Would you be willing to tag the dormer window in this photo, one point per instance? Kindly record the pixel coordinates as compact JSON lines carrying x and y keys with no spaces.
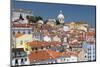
{"x":42,"y":47}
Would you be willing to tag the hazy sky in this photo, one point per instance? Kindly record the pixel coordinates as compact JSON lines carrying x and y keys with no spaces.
{"x":71,"y":12}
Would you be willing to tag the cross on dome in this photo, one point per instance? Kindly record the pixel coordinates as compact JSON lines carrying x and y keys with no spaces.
{"x":60,"y":11}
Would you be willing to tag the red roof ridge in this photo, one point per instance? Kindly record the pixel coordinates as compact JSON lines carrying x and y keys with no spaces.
{"x":50,"y":54}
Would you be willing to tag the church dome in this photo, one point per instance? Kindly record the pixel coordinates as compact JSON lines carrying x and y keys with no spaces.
{"x":40,"y":21}
{"x":60,"y":16}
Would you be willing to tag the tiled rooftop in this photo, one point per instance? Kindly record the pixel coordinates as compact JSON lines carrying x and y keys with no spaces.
{"x":43,"y":55}
{"x":22,"y":25}
{"x":18,"y":35}
{"x":40,"y":43}
{"x":68,"y":53}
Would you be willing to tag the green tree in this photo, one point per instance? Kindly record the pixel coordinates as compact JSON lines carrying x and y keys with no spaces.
{"x":33,"y":19}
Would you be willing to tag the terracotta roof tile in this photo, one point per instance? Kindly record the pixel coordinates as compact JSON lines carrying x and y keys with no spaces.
{"x":55,"y":43}
{"x":43,"y":55}
{"x":18,"y":35}
{"x":90,"y":33}
{"x":40,"y":43}
{"x":70,"y":53}
{"x":37,"y":43}
{"x":22,"y":25}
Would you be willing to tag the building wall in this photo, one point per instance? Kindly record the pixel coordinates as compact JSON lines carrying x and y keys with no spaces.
{"x":16,"y":14}
{"x":20,"y":41}
{"x":56,"y":38}
{"x":82,"y":56}
{"x":22,"y":30}
{"x":50,"y":61}
{"x":91,"y":51}
{"x":47,"y":38}
{"x":25,"y":61}
{"x":37,"y":36}
{"x":67,"y":59}
{"x":65,"y":28}
{"x":74,"y":25}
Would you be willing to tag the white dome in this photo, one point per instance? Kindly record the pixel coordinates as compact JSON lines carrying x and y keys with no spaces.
{"x":40,"y":21}
{"x":60,"y":16}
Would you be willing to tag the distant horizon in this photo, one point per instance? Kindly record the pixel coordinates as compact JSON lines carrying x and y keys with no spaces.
{"x":72,"y":13}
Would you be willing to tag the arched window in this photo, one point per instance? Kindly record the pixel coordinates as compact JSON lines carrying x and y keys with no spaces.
{"x":19,"y":53}
{"x":23,"y":32}
{"x":21,"y":42}
{"x":19,"y":32}
{"x":25,"y":59}
{"x":13,"y":33}
{"x":49,"y":46}
{"x":41,"y":47}
{"x":29,"y":32}
{"x":85,"y":56}
{"x":22,"y":61}
{"x":36,"y":49}
{"x":32,"y":48}
{"x":16,"y":61}
{"x":26,"y":49}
